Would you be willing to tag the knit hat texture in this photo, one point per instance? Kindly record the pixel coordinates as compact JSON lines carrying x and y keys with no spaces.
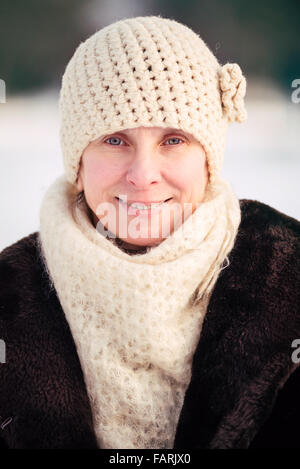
{"x":148,"y":71}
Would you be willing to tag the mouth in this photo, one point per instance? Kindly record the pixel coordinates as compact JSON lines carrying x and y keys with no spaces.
{"x":136,"y":208}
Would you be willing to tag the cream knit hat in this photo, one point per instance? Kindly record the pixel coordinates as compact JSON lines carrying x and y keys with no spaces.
{"x":148,"y":71}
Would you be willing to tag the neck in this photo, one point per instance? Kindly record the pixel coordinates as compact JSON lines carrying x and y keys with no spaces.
{"x":120,"y":242}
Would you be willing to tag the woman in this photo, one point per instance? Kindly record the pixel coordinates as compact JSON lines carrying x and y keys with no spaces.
{"x":153,"y":309}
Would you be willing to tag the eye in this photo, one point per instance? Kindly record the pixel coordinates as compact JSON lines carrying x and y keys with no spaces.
{"x":116,"y":141}
{"x":173,"y":140}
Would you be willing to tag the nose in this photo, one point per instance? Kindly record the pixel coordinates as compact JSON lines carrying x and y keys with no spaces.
{"x":143,"y":172}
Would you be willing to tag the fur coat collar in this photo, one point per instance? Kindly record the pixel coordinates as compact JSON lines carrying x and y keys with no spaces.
{"x":243,"y":377}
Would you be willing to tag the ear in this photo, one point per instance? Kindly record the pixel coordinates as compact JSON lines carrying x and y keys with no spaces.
{"x":78,"y":183}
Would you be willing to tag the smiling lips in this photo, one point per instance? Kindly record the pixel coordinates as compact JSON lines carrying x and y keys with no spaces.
{"x":136,"y":208}
{"x":143,"y":204}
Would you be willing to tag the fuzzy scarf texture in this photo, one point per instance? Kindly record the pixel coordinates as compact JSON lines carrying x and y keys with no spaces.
{"x":136,"y":319}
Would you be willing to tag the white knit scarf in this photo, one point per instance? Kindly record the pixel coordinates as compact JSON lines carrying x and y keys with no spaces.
{"x":136,"y":319}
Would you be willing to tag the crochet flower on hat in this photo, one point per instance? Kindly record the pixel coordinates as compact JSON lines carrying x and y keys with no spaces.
{"x":233,"y":90}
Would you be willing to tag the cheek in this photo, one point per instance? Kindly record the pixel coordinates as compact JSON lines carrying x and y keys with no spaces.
{"x":191,"y":175}
{"x":99,"y":177}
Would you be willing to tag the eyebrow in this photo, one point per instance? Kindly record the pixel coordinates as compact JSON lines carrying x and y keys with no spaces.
{"x":165,"y":131}
{"x":175,"y":131}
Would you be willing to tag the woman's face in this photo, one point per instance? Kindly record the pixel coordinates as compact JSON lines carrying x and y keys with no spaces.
{"x":143,"y":165}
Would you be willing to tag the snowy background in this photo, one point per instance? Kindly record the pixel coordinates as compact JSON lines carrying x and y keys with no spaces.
{"x":261,"y":160}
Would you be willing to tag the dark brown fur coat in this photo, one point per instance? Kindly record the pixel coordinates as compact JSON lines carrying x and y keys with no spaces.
{"x":245,"y":387}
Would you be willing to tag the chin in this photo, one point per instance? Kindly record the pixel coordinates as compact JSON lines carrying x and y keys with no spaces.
{"x":142,"y":242}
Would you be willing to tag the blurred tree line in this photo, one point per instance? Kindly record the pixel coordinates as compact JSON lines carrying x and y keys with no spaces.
{"x":39,"y":37}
